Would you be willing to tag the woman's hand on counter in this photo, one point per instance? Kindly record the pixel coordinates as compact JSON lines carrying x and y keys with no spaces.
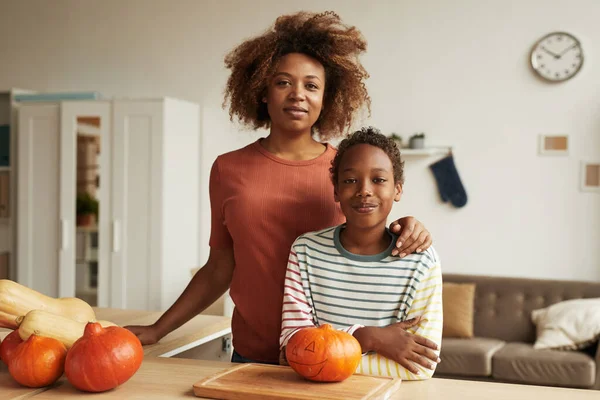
{"x":148,"y":334}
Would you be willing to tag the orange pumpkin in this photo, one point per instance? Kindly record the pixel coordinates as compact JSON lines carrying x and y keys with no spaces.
{"x":323,"y":354}
{"x":103,"y":358}
{"x":9,"y":345}
{"x":37,"y":362}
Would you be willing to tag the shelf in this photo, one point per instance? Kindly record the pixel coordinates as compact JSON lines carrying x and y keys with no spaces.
{"x":426,"y":152}
{"x":86,"y":292}
{"x":4,"y":169}
{"x":87,"y":229}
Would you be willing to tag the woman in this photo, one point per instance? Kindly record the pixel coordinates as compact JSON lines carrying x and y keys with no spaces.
{"x":299,"y":79}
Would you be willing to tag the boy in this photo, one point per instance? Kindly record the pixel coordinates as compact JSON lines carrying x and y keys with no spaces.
{"x":346,"y":276}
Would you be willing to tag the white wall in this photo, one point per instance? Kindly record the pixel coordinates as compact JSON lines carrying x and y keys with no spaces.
{"x":456,"y":70}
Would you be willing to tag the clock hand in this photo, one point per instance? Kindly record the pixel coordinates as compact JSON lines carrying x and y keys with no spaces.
{"x":551,"y":53}
{"x":567,"y":49}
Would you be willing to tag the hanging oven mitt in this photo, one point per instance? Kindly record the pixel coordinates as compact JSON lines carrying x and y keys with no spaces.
{"x":448,"y":181}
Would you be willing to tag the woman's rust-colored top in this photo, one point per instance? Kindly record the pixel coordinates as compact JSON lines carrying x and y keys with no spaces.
{"x":260,"y":204}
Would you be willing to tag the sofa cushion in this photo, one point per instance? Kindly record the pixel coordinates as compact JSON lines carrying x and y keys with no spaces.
{"x":467,"y":357}
{"x":520,"y":362}
{"x":568,"y":325}
{"x":458,"y":301}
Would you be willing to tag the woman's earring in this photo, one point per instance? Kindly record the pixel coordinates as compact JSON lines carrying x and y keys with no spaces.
{"x":264,"y":99}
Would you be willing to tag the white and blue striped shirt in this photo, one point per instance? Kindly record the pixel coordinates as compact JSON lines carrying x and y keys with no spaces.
{"x":325,"y":283}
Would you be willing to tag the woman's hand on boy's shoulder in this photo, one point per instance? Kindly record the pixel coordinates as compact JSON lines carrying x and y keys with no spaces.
{"x":412,"y":236}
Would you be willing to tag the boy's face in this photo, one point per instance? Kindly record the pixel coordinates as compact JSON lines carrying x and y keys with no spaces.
{"x":365,"y":187}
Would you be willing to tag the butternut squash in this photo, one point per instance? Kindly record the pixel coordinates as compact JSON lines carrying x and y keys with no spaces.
{"x":17,"y":300}
{"x":43,"y":323}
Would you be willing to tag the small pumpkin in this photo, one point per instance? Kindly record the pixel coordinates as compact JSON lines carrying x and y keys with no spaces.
{"x":323,"y":354}
{"x":103,"y":358}
{"x":37,"y":362}
{"x":9,"y":345}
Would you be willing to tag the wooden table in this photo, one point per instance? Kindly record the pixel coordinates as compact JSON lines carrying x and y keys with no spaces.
{"x":199,"y":330}
{"x":9,"y":389}
{"x":164,"y":378}
{"x":451,"y":389}
{"x":157,"y":378}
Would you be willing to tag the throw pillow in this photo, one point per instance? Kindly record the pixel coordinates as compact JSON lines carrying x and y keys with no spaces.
{"x":568,"y":325}
{"x":458,"y":302}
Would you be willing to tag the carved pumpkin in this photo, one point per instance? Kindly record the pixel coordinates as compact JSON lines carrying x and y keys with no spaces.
{"x":103,"y":358}
{"x":323,"y":354}
{"x":9,"y":345}
{"x":37,"y":362}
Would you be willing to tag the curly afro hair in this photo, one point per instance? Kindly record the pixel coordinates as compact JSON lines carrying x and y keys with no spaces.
{"x":321,"y":36}
{"x":375,"y":138}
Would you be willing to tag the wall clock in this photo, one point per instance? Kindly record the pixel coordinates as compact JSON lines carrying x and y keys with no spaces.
{"x":557,"y":57}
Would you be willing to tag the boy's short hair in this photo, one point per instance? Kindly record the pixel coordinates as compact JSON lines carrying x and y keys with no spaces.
{"x":372,"y":136}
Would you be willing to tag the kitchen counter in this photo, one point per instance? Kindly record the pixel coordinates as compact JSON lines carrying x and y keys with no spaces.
{"x":9,"y":389}
{"x":157,"y":379}
{"x":197,"y":331}
{"x":172,"y":378}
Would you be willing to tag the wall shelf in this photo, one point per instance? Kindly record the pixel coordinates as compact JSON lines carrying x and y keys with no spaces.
{"x":426,"y":152}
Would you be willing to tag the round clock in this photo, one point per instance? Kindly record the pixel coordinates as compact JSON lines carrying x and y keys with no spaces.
{"x":557,"y":57}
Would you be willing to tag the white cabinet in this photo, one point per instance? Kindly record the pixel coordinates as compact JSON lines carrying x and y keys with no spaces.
{"x":148,"y":167}
{"x":38,"y":198}
{"x":8,"y":175}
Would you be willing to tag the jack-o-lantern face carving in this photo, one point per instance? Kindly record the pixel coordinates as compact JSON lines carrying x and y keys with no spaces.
{"x":323,"y":354}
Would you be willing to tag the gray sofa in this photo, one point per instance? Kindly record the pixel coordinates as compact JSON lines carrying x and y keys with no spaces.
{"x":501,"y":349}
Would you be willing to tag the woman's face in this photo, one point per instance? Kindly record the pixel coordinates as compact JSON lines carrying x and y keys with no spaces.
{"x":295,"y":93}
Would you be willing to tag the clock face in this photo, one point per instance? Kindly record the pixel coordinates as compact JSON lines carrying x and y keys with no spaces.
{"x":557,"y":57}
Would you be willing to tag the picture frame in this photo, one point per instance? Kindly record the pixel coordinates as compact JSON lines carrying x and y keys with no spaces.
{"x":590,"y":176}
{"x":553,"y":144}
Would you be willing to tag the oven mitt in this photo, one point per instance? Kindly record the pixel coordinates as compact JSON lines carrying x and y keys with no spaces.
{"x":448,"y":182}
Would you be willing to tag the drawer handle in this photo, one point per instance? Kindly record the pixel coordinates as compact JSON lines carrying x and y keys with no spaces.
{"x":64,"y":232}
{"x":116,"y":236}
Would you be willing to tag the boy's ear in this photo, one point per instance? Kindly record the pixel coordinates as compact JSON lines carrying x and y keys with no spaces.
{"x":398,"y":192}
{"x":335,"y":194}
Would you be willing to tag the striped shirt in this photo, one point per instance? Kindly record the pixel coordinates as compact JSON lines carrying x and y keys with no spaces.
{"x":324,"y":283}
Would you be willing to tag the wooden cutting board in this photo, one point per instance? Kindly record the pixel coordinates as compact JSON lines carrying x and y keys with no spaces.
{"x":274,"y":382}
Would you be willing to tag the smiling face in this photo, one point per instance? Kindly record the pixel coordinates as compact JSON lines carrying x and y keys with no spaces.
{"x":365,"y":187}
{"x":307,"y":357}
{"x":295,"y":94}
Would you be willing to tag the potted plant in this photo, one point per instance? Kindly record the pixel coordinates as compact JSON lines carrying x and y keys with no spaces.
{"x":87,"y":209}
{"x":417,"y":141}
{"x":398,"y":139}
